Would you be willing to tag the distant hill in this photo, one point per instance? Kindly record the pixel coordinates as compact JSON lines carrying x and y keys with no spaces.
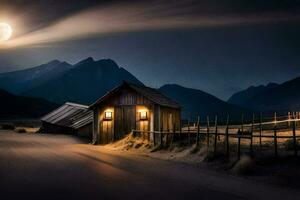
{"x":59,"y":82}
{"x":280,"y":98}
{"x":284,"y":97}
{"x":12,"y":106}
{"x":196,"y":102}
{"x":84,"y":83}
{"x":242,"y":98}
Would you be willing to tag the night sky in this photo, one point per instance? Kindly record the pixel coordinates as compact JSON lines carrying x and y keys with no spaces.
{"x":217,"y":46}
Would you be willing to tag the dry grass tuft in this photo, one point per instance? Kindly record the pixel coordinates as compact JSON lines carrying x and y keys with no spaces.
{"x":130,"y":142}
{"x":20,"y":130}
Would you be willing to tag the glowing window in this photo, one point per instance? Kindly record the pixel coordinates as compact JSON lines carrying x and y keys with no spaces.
{"x":143,"y":115}
{"x":108,"y":115}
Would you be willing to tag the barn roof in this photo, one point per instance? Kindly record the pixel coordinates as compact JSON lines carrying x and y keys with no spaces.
{"x":152,"y":94}
{"x":70,"y":115}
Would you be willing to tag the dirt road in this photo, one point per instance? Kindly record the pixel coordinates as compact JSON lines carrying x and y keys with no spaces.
{"x":34,"y":166}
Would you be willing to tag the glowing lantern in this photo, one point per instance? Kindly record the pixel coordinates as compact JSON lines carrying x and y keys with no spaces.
{"x":143,"y":115}
{"x":108,"y":115}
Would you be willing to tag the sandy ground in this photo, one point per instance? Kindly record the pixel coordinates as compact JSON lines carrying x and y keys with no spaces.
{"x":36,"y":166}
{"x":263,"y":166}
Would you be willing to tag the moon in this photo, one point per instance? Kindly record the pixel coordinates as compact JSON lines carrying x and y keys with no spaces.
{"x":5,"y":31}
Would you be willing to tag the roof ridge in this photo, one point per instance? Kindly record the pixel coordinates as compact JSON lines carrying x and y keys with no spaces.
{"x":157,"y":91}
{"x":76,"y":105}
{"x":152,"y":94}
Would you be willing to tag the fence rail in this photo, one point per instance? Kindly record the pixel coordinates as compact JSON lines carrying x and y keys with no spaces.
{"x":263,"y":129}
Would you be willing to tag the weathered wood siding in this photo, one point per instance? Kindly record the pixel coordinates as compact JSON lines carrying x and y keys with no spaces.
{"x":119,"y":124}
{"x":106,"y":127}
{"x":127,"y":97}
{"x":157,"y":118}
{"x":122,"y":123}
{"x":124,"y":120}
{"x":168,"y":118}
{"x":128,"y":119}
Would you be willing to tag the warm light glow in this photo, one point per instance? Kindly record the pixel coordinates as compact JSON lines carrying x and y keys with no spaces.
{"x":108,"y":115}
{"x":143,"y":115}
{"x":5,"y":31}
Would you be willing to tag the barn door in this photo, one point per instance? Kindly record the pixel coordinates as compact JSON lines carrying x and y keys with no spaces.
{"x":129,"y":119}
{"x":107,"y":135}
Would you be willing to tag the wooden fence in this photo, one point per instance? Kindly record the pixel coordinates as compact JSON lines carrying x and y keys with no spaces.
{"x":261,"y":130}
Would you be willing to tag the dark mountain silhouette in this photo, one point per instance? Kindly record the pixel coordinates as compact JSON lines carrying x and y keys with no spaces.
{"x":196,"y":102}
{"x":88,"y":80}
{"x":12,"y":106}
{"x":284,"y":97}
{"x":242,"y":98}
{"x":18,"y":82}
{"x":83,"y":83}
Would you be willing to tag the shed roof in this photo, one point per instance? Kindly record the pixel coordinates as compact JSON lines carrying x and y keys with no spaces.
{"x":70,"y":115}
{"x":152,"y":94}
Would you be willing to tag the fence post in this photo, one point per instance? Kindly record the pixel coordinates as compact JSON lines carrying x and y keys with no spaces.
{"x":173,"y":135}
{"x":275,"y":135}
{"x":154,"y":142}
{"x":227,"y":136}
{"x":260,"y":130}
{"x":189,"y":134}
{"x":180,"y":129}
{"x":161,"y":137}
{"x":242,"y":125}
{"x":294,"y":116}
{"x":167,"y":138}
{"x":207,"y":132}
{"x":289,"y":119}
{"x":294,"y":137}
{"x":251,"y":140}
{"x":239,"y":138}
{"x":198,"y":131}
{"x":239,"y":147}
{"x":216,"y":134}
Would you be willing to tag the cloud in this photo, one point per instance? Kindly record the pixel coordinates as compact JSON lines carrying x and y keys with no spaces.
{"x":127,"y":17}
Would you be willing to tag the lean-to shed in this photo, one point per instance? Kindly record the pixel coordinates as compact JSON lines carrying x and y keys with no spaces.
{"x":70,"y":118}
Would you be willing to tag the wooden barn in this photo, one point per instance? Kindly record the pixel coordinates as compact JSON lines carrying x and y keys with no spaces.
{"x":70,"y":118}
{"x":133,"y":107}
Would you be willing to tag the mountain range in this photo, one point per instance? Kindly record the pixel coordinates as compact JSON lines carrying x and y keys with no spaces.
{"x":59,"y":82}
{"x":270,"y":98}
{"x":86,"y":81}
{"x":243,"y":98}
